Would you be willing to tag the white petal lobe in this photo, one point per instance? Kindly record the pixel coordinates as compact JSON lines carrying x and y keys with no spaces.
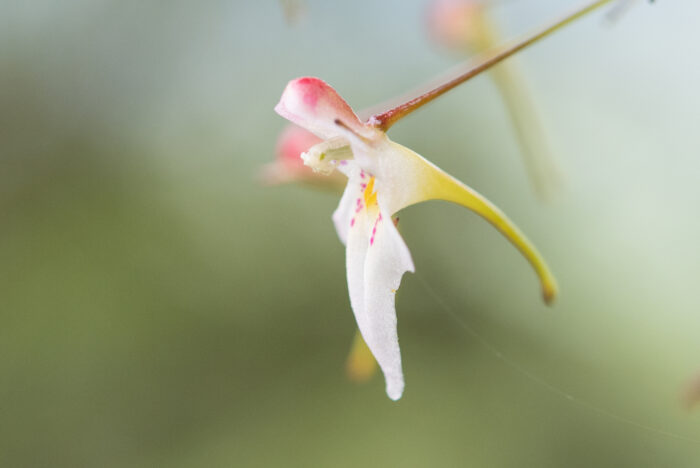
{"x":387,"y":260}
{"x":377,"y":258}
{"x":355,"y":255}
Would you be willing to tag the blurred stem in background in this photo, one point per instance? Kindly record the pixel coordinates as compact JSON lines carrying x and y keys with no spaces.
{"x":465,"y":25}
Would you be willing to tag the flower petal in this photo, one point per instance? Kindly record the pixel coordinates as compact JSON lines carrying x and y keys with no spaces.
{"x":387,"y":260}
{"x":408,"y":178}
{"x":376,"y":259}
{"x":314,"y":105}
{"x":357,"y":243}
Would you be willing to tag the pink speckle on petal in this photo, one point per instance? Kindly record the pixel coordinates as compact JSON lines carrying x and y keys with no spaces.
{"x":374,"y":229}
{"x":352,"y":222}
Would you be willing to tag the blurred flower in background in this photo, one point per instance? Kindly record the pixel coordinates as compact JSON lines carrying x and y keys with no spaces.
{"x":460,"y":24}
{"x":293,"y":10}
{"x":288,"y":166}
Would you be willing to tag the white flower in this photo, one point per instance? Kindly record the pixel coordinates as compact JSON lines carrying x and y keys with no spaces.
{"x":383,"y":178}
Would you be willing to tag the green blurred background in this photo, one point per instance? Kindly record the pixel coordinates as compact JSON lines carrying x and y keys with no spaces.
{"x":160,"y":308}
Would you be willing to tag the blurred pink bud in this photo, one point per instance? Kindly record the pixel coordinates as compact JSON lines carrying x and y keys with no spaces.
{"x":292,"y":142}
{"x":288,"y":165}
{"x":456,"y":23}
{"x":691,"y":395}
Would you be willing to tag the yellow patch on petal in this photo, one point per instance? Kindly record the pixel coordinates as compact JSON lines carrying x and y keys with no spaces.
{"x":370,"y":195}
{"x":361,"y":365}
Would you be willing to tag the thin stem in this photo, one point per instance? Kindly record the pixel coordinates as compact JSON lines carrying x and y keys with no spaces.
{"x":386,"y":119}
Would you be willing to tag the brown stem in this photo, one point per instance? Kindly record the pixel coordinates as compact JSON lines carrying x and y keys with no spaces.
{"x":386,"y":119}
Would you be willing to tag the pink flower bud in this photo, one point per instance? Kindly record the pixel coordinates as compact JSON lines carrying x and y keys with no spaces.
{"x":291,"y":143}
{"x":457,"y":24}
{"x":288,"y":165}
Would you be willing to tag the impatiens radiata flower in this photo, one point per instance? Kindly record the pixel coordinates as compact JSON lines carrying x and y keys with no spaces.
{"x":383,"y":178}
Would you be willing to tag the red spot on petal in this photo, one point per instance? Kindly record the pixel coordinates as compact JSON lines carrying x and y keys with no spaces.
{"x":311,"y":89}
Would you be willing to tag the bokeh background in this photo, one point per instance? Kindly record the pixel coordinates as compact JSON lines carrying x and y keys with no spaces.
{"x":159,"y":307}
